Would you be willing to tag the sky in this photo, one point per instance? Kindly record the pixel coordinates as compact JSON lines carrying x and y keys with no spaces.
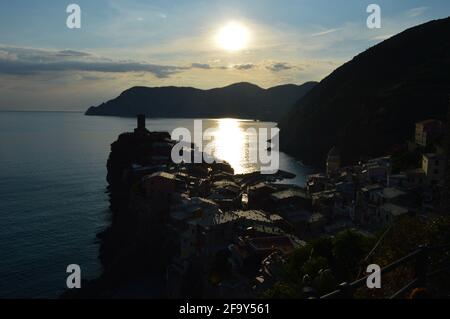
{"x":44,"y":65}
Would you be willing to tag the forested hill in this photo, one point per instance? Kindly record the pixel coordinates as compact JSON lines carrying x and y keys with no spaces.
{"x":371,"y":103}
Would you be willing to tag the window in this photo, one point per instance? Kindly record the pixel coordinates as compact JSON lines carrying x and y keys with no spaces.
{"x":436,"y":171}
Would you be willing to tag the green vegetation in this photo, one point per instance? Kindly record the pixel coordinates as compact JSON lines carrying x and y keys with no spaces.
{"x":324,"y":263}
{"x":403,"y":238}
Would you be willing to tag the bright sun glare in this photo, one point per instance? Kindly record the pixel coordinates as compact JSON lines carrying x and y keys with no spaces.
{"x":233,"y":37}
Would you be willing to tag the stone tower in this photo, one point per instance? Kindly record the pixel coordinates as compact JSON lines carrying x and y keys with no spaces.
{"x":333,"y":161}
{"x":140,"y":125}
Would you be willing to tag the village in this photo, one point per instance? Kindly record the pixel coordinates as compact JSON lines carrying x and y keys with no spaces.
{"x":221,"y":235}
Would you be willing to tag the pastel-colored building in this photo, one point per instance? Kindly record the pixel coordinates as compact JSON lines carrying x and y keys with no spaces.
{"x":427,"y":131}
{"x":434,"y":166}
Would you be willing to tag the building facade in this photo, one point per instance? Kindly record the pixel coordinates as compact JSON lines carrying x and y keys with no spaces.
{"x":434,"y":166}
{"x":427,"y":131}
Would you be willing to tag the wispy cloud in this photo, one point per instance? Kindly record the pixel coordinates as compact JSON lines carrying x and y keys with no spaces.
{"x":71,"y":53}
{"x":416,"y":12}
{"x":244,"y":67}
{"x":279,"y":66}
{"x":23,"y":61}
{"x":204,"y":66}
{"x":382,"y":37}
{"x":24,"y":67}
{"x":28,"y":61}
{"x":318,"y":34}
{"x":161,"y":15}
{"x":7,"y":56}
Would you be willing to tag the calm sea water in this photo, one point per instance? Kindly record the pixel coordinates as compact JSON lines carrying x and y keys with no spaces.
{"x":52,"y":191}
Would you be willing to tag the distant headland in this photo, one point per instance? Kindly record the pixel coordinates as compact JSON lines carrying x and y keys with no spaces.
{"x":240,"y":100}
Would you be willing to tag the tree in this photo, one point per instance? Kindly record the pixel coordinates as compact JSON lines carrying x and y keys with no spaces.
{"x":349,"y":248}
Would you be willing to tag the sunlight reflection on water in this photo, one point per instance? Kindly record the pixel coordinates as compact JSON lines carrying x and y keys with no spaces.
{"x":230,"y":142}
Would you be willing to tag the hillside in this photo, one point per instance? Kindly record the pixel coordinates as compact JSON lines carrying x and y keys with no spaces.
{"x":241,"y":100}
{"x":371,"y":103}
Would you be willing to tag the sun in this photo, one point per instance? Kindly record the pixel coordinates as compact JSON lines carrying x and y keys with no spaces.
{"x":233,"y":37}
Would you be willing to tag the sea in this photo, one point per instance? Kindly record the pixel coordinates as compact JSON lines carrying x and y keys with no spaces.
{"x":53,"y":198}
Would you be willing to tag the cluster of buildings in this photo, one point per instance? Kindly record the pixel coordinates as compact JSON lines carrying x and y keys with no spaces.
{"x":370,"y":195}
{"x":217,"y":232}
{"x":206,"y":211}
{"x":229,"y":235}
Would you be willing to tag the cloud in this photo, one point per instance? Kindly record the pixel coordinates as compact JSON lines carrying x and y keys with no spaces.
{"x":29,"y":61}
{"x":7,"y":56}
{"x":415,"y":12}
{"x":24,"y":67}
{"x":95,"y":77}
{"x":204,"y":66}
{"x":25,"y":61}
{"x":71,"y":53}
{"x":382,"y":37}
{"x":279,"y":66}
{"x":243,"y":67}
{"x":161,"y":15}
{"x":325,"y":32}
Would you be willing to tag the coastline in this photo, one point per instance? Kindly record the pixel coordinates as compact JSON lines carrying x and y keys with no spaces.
{"x":140,"y":218}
